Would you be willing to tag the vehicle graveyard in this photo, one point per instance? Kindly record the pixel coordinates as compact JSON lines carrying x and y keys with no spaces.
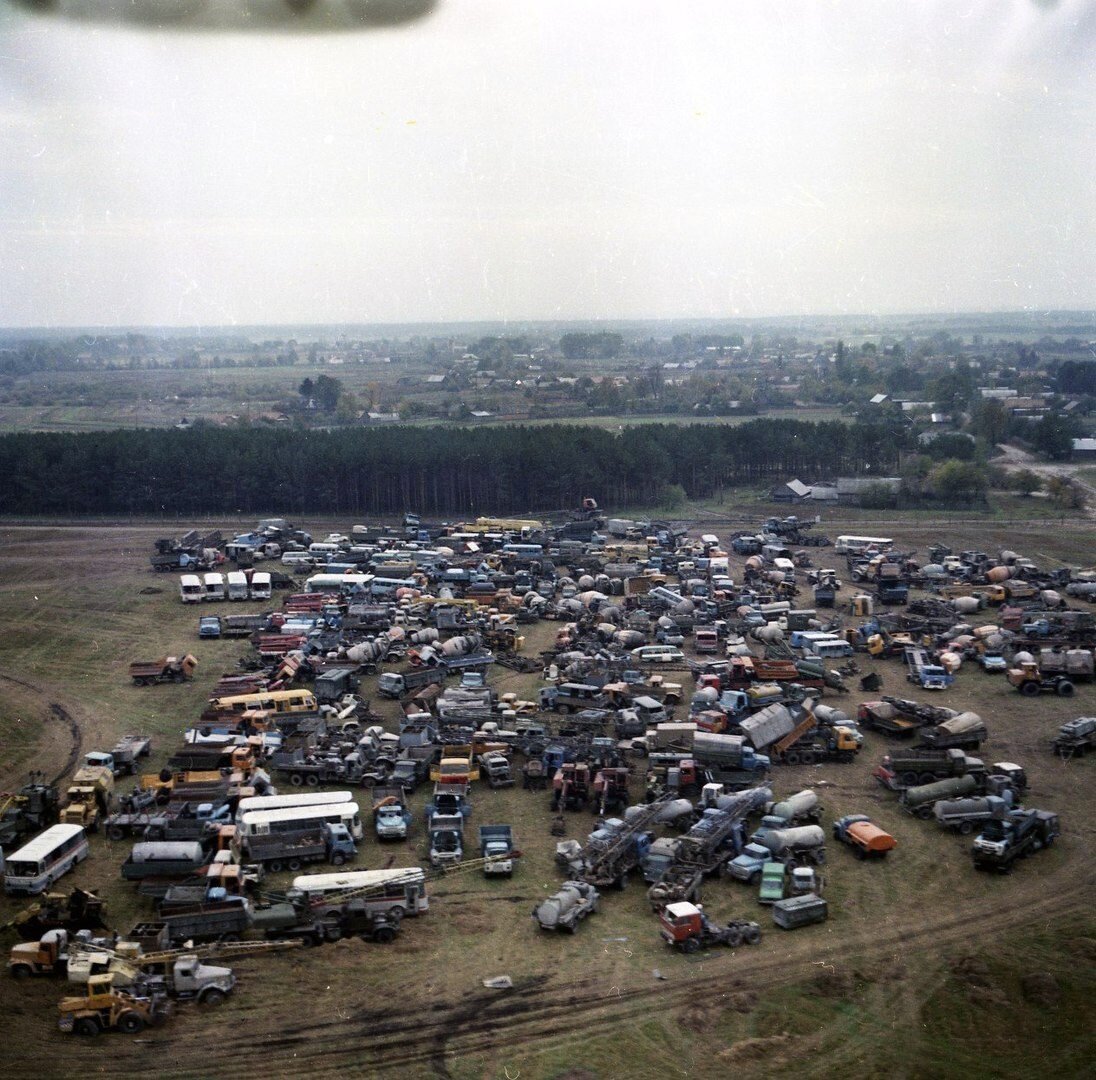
{"x":425,"y":777}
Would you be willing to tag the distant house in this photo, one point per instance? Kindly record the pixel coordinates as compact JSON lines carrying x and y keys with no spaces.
{"x":824,"y":493}
{"x":878,"y":399}
{"x":792,"y":491}
{"x":1084,"y":448}
{"x":383,"y":417}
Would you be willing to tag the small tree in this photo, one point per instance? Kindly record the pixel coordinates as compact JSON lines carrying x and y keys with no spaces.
{"x":1024,"y":482}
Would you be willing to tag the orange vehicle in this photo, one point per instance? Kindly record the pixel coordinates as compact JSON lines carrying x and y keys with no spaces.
{"x":866,"y":839}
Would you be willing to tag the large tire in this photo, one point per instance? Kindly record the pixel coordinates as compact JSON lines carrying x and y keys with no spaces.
{"x":734,"y":938}
{"x":296,"y":780}
{"x":294,"y":865}
{"x":754,"y":878}
{"x":926,"y":778}
{"x":338,"y":858}
{"x":86,"y":1026}
{"x":791,"y":757}
{"x":116,"y":832}
{"x":966,"y":828}
{"x":212,"y":997}
{"x":384,"y":935}
{"x":690,"y":945}
{"x":1029,"y":689}
{"x":909,"y":779}
{"x":312,"y":780}
{"x":274,"y":866}
{"x":397,"y":912}
{"x":22,"y":971}
{"x":752,"y":935}
{"x":130,"y":1023}
{"x":1064,"y":688}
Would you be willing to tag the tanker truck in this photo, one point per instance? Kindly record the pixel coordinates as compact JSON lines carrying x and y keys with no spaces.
{"x":804,"y":845}
{"x":798,"y":809}
{"x":966,"y":815}
{"x":565,"y":909}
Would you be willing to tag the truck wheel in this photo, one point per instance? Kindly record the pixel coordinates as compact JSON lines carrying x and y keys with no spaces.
{"x":1029,"y":689}
{"x":752,"y":935}
{"x":909,"y":779}
{"x":754,"y":878}
{"x":86,"y":1025}
{"x":965,"y":828}
{"x":312,"y":781}
{"x":690,"y":945}
{"x":733,"y":938}
{"x":923,"y":812}
{"x":397,"y":912}
{"x":296,"y":780}
{"x":293,"y":865}
{"x":213,"y":996}
{"x":1064,"y":689}
{"x":116,"y":832}
{"x":22,"y":971}
{"x":130,"y":1023}
{"x":338,"y":858}
{"x":807,"y":757}
{"x":926,"y":778}
{"x":861,"y":854}
{"x":791,"y":757}
{"x":384,"y":935}
{"x":274,"y":866}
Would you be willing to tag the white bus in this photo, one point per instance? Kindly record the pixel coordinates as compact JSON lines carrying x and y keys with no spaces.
{"x":857,"y":545}
{"x":41,"y":861}
{"x":214,"y":586}
{"x":335,"y":583}
{"x":237,"y":585}
{"x":384,"y":890}
{"x":282,"y":802}
{"x":291,"y":818}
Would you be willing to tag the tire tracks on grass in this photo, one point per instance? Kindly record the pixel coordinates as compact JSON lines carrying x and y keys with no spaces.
{"x":58,"y":712}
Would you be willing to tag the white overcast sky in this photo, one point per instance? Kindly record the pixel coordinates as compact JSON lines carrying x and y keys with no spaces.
{"x":559,"y":159}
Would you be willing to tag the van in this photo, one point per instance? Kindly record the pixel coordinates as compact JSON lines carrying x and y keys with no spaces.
{"x":658,"y":654}
{"x":237,"y":585}
{"x":214,"y":587}
{"x":260,"y":586}
{"x":191,"y":590}
{"x":297,"y":558}
{"x":322,"y":551}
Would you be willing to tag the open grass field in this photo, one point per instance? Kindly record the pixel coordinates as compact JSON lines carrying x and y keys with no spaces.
{"x":925,"y":968}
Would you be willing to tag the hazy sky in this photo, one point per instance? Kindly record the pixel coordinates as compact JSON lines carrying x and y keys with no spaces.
{"x":545,"y":159}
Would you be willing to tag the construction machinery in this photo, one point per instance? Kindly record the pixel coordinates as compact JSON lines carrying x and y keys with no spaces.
{"x":615,"y":849}
{"x":80,"y":910}
{"x":88,"y":797}
{"x":684,"y":926}
{"x":567,"y":907}
{"x":105,"y":1008}
{"x":29,"y":810}
{"x":1076,"y":737}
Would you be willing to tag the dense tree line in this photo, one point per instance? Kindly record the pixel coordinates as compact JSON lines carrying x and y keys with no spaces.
{"x":439,"y":470}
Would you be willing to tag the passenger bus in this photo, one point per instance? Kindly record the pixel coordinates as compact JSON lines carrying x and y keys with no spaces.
{"x":857,"y":545}
{"x":282,"y":802}
{"x":267,"y":701}
{"x":292,"y":818}
{"x":384,"y":890}
{"x":336,"y":583}
{"x":41,"y":861}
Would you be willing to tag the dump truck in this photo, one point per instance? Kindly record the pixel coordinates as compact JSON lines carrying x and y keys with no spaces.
{"x":445,"y":833}
{"x":809,"y":742}
{"x":89,"y":797}
{"x":213,"y":920}
{"x":1016,"y":836}
{"x":104,"y":1008}
{"x":496,"y":850}
{"x":867,"y":840}
{"x":566,"y":908}
{"x":124,"y":758}
{"x":1076,"y":737}
{"x":685,"y":926}
{"x":175,"y":669}
{"x":883,"y":717}
{"x":965,"y":731}
{"x":728,"y":752}
{"x":924,"y":673}
{"x":908,"y":768}
{"x":391,"y":684}
{"x":495,"y":766}
{"x":317,"y":842}
{"x":185,"y":821}
{"x":391,"y":815}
